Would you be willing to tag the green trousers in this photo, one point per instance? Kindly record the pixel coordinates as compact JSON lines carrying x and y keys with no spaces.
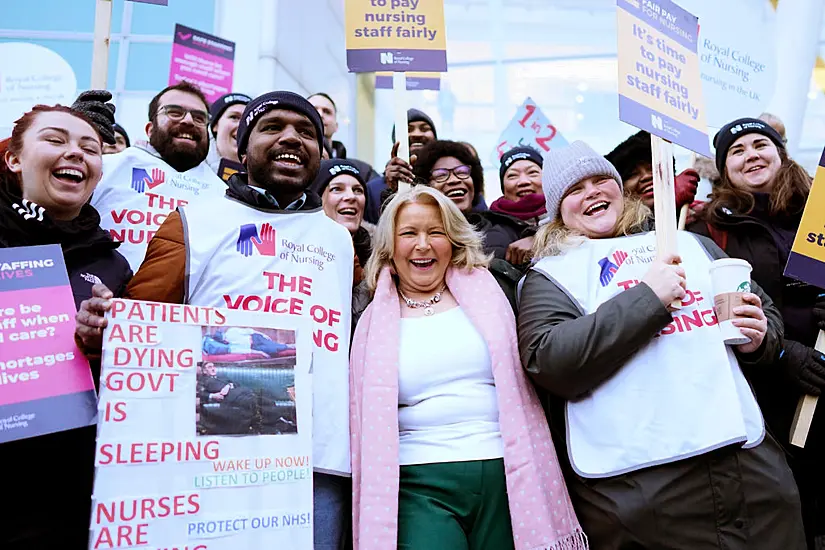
{"x":454,"y":506}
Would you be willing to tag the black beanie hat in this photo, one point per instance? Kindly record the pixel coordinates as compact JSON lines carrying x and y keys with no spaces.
{"x":262,"y":104}
{"x":630,"y":153}
{"x":332,"y":168}
{"x":120,"y":130}
{"x":414,"y":115}
{"x":335,"y":167}
{"x":223,"y":103}
{"x":516,"y":154}
{"x":732,"y":131}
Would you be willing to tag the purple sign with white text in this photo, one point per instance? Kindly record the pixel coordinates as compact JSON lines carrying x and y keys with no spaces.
{"x":203,"y":59}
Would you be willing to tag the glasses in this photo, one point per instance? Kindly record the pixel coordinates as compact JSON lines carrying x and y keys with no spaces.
{"x":176,"y":113}
{"x":440,"y":175}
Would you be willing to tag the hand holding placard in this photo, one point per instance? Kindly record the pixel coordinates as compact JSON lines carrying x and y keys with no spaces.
{"x":807,"y":263}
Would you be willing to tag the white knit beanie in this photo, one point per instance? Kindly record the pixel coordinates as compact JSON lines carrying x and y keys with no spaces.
{"x":563,"y":168}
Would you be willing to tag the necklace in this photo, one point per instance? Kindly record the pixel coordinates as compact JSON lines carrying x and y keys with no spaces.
{"x":426,"y":304}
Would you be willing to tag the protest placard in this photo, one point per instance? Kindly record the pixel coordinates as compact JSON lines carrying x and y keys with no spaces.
{"x":415,"y":81}
{"x":203,"y":59}
{"x":737,"y":53}
{"x":529,"y":127}
{"x":205,"y":430}
{"x":660,"y":87}
{"x":807,"y":263}
{"x":228,"y":168}
{"x":395,"y":35}
{"x":45,"y":382}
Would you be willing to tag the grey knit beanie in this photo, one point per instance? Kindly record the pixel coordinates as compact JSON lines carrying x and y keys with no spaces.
{"x":563,"y":168}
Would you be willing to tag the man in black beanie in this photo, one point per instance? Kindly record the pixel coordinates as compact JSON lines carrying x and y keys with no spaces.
{"x":255,"y":244}
{"x":421,"y":131}
{"x":633,"y":159}
{"x":121,"y":141}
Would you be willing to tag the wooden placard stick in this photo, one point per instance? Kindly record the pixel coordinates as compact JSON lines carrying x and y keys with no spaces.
{"x":100,"y":48}
{"x":399,"y":91}
{"x":664,"y":199}
{"x":806,"y":408}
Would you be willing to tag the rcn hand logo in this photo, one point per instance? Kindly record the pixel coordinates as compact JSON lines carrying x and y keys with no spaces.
{"x":141,"y":179}
{"x":609,"y":269}
{"x":249,"y":240}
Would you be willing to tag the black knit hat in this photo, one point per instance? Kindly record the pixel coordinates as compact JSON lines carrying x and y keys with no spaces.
{"x":262,"y":104}
{"x":332,"y":168}
{"x":120,"y":130}
{"x":516,"y":154}
{"x":730,"y":132}
{"x":629,"y":154}
{"x":222,"y":104}
{"x":414,"y":115}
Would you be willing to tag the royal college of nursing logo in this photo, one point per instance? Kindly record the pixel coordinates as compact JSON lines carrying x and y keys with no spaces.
{"x":609,"y":268}
{"x":141,"y":179}
{"x":250,"y":240}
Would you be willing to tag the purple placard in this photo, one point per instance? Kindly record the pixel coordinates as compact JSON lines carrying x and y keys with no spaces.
{"x":667,"y":18}
{"x":645,"y":118}
{"x":45,"y":382}
{"x":425,"y":61}
{"x":32,"y":267}
{"x":203,"y":59}
{"x":805,"y":268}
{"x":155,"y":2}
{"x":384,"y":82}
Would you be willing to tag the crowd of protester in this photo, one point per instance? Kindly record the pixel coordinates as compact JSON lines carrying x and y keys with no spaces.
{"x":548,"y":397}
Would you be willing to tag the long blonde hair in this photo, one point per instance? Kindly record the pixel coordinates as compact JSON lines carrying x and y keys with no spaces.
{"x":555,"y":238}
{"x":467,"y":242}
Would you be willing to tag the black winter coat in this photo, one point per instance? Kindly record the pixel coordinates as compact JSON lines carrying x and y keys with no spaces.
{"x":500,"y":231}
{"x":765,"y":242}
{"x":51,"y":476}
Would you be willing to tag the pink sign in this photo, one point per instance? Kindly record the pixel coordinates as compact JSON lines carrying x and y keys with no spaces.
{"x":45,"y":382}
{"x":203,"y":59}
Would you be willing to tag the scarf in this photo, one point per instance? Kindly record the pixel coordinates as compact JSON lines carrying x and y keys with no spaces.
{"x":542,"y":515}
{"x":26,"y":223}
{"x":527,"y":208}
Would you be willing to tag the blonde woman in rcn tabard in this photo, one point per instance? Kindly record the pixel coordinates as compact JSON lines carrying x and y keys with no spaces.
{"x":666,"y":443}
{"x":450,"y":449}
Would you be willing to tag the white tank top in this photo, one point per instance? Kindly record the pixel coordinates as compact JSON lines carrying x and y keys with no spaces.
{"x":681,"y":395}
{"x":139,"y":190}
{"x":288,"y":262}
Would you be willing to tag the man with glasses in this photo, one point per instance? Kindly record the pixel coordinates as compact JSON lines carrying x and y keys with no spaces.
{"x":145,"y":183}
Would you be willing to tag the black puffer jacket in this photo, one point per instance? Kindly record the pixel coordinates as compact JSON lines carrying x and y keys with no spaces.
{"x":66,"y":459}
{"x":500,"y":230}
{"x":765,"y":242}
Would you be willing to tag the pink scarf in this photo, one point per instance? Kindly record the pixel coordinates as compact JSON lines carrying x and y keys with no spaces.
{"x":540,"y":508}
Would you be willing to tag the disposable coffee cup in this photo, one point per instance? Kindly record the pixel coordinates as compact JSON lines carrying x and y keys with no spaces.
{"x":730,"y":278}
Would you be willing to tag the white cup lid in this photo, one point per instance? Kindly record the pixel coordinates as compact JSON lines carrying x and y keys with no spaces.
{"x":730,"y":262}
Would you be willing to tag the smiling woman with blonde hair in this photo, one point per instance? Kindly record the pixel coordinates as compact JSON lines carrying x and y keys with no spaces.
{"x":666,"y":444}
{"x":450,"y":447}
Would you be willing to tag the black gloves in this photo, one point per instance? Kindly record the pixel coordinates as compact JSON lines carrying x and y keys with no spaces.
{"x":94,"y":104}
{"x":804,"y":366}
{"x":819,"y":311}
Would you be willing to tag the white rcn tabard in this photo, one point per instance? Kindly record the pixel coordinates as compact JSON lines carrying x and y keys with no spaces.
{"x":681,"y":395}
{"x":289,"y":262}
{"x":139,"y":190}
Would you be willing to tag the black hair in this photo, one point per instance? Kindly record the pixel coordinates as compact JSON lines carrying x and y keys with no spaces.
{"x":322,"y":94}
{"x":183,"y":86}
{"x":438,"y":149}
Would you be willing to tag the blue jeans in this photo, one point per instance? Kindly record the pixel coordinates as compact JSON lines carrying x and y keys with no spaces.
{"x":331,"y":506}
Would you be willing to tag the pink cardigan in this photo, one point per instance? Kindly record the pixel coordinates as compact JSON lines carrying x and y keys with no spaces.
{"x":540,"y":508}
